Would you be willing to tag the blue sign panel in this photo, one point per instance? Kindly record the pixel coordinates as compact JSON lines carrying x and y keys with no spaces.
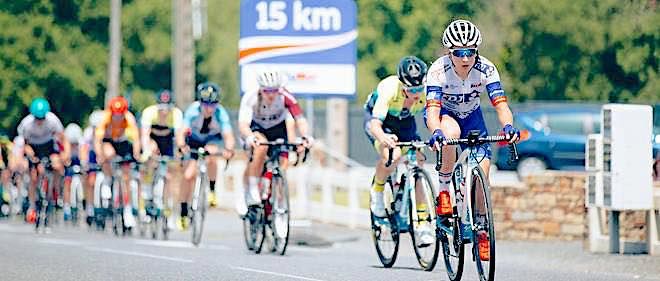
{"x":312,"y":42}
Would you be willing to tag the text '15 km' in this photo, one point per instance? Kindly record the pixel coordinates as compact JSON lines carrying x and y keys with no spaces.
{"x":273,"y":16}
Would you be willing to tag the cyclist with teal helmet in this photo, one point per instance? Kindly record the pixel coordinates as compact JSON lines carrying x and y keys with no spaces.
{"x":43,"y":134}
{"x":205,"y":124}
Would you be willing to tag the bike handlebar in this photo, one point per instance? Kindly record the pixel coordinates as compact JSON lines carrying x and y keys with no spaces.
{"x":473,"y":141}
{"x":416,"y":144}
{"x":288,"y":146}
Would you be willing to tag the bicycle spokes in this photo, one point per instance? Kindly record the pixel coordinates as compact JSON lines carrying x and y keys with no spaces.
{"x":483,"y":249}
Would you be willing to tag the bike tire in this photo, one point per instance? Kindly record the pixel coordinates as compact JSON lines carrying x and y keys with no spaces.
{"x":248,"y":220}
{"x":118,"y":210}
{"x":199,"y":212}
{"x":453,"y":248}
{"x":485,"y":268}
{"x":386,"y":256}
{"x":280,"y":221}
{"x":427,"y":263}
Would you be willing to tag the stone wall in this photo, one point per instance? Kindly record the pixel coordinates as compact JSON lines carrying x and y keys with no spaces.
{"x":551,"y":207}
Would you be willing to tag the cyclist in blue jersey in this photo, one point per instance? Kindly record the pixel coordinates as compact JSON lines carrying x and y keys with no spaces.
{"x":205,"y":124}
{"x":454,"y":85}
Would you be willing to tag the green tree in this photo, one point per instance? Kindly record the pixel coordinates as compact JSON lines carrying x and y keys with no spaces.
{"x":44,"y":53}
{"x":584,"y":50}
{"x":389,"y":30}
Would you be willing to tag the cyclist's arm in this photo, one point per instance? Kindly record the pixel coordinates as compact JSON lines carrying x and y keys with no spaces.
{"x":504,"y":114}
{"x":61,"y":138}
{"x":179,"y":128}
{"x":376,"y":127}
{"x":245,"y":115}
{"x":290,"y":127}
{"x":133,"y":133}
{"x":145,"y":129}
{"x":227,"y":132}
{"x":58,"y":134}
{"x":385,"y":92}
{"x":296,"y":112}
{"x":99,"y":133}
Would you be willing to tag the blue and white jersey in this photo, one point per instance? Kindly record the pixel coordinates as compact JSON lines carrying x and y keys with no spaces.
{"x":217,"y":124}
{"x":461,"y":97}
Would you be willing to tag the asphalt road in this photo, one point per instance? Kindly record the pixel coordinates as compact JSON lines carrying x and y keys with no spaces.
{"x":317,"y":252}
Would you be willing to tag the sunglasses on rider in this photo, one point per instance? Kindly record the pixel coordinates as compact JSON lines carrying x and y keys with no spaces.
{"x":414,"y":90}
{"x":209,"y":104}
{"x":270,"y":90}
{"x":462,"y":53}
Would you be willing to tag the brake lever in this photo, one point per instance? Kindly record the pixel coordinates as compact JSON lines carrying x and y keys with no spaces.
{"x":438,"y":160}
{"x":389,"y":157}
{"x":513,"y":154}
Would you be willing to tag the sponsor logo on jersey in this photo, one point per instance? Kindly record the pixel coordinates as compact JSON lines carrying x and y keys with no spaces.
{"x":485,"y":69}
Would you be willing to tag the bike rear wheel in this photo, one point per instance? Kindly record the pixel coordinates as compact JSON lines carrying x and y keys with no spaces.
{"x":385,"y":231}
{"x":483,"y":248}
{"x":280,"y":214}
{"x":427,"y":254}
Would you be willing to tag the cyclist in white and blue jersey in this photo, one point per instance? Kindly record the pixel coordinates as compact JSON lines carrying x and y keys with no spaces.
{"x":205,"y":124}
{"x":454,"y":85}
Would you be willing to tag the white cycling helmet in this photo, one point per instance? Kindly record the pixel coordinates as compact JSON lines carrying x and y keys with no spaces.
{"x":73,"y":133}
{"x":95,"y":118}
{"x":461,"y":34}
{"x":270,"y":79}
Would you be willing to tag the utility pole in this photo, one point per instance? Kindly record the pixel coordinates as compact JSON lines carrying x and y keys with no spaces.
{"x":183,"y":63}
{"x":115,"y":49}
{"x":337,"y":127}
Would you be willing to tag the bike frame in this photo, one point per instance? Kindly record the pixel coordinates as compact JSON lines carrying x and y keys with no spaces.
{"x":404,"y":196}
{"x":467,"y":161}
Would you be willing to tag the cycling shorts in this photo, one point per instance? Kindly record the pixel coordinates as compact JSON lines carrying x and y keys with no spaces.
{"x":474,"y":121}
{"x":123,"y":148}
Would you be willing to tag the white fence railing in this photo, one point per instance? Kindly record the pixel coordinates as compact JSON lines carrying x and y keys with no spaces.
{"x":318,"y":193}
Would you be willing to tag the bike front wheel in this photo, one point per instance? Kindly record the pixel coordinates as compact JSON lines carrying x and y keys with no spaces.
{"x":199,"y":211}
{"x":385,"y":231}
{"x":280,"y":214}
{"x":423,"y":223}
{"x":483,"y":249}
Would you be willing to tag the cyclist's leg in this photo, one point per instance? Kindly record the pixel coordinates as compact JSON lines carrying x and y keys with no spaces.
{"x":475,"y":121}
{"x":214,"y":144}
{"x":166,"y":148}
{"x":378,"y":185}
{"x":124,"y":149}
{"x":188,"y":180}
{"x":90,"y":180}
{"x":68,"y":173}
{"x":109,"y":153}
{"x":255,"y":168}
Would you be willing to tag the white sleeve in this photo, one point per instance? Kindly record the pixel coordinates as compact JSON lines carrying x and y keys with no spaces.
{"x":246,"y":111}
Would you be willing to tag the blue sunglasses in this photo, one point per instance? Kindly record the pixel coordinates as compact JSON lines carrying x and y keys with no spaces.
{"x":415,"y":89}
{"x":462,"y":53}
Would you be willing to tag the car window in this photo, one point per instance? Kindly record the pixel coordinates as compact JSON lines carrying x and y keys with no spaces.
{"x":568,"y":123}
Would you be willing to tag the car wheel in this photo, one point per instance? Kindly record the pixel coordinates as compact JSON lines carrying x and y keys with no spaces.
{"x":530,"y":165}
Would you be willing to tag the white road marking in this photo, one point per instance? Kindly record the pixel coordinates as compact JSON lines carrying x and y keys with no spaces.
{"x":275,"y":273}
{"x":179,"y":244}
{"x":58,"y":241}
{"x":160,"y":243}
{"x":300,"y":223}
{"x":137,"y":254}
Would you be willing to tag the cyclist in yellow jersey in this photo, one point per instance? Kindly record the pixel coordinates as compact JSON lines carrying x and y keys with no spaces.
{"x":160,"y":125}
{"x":117,"y":134}
{"x":390,"y":117}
